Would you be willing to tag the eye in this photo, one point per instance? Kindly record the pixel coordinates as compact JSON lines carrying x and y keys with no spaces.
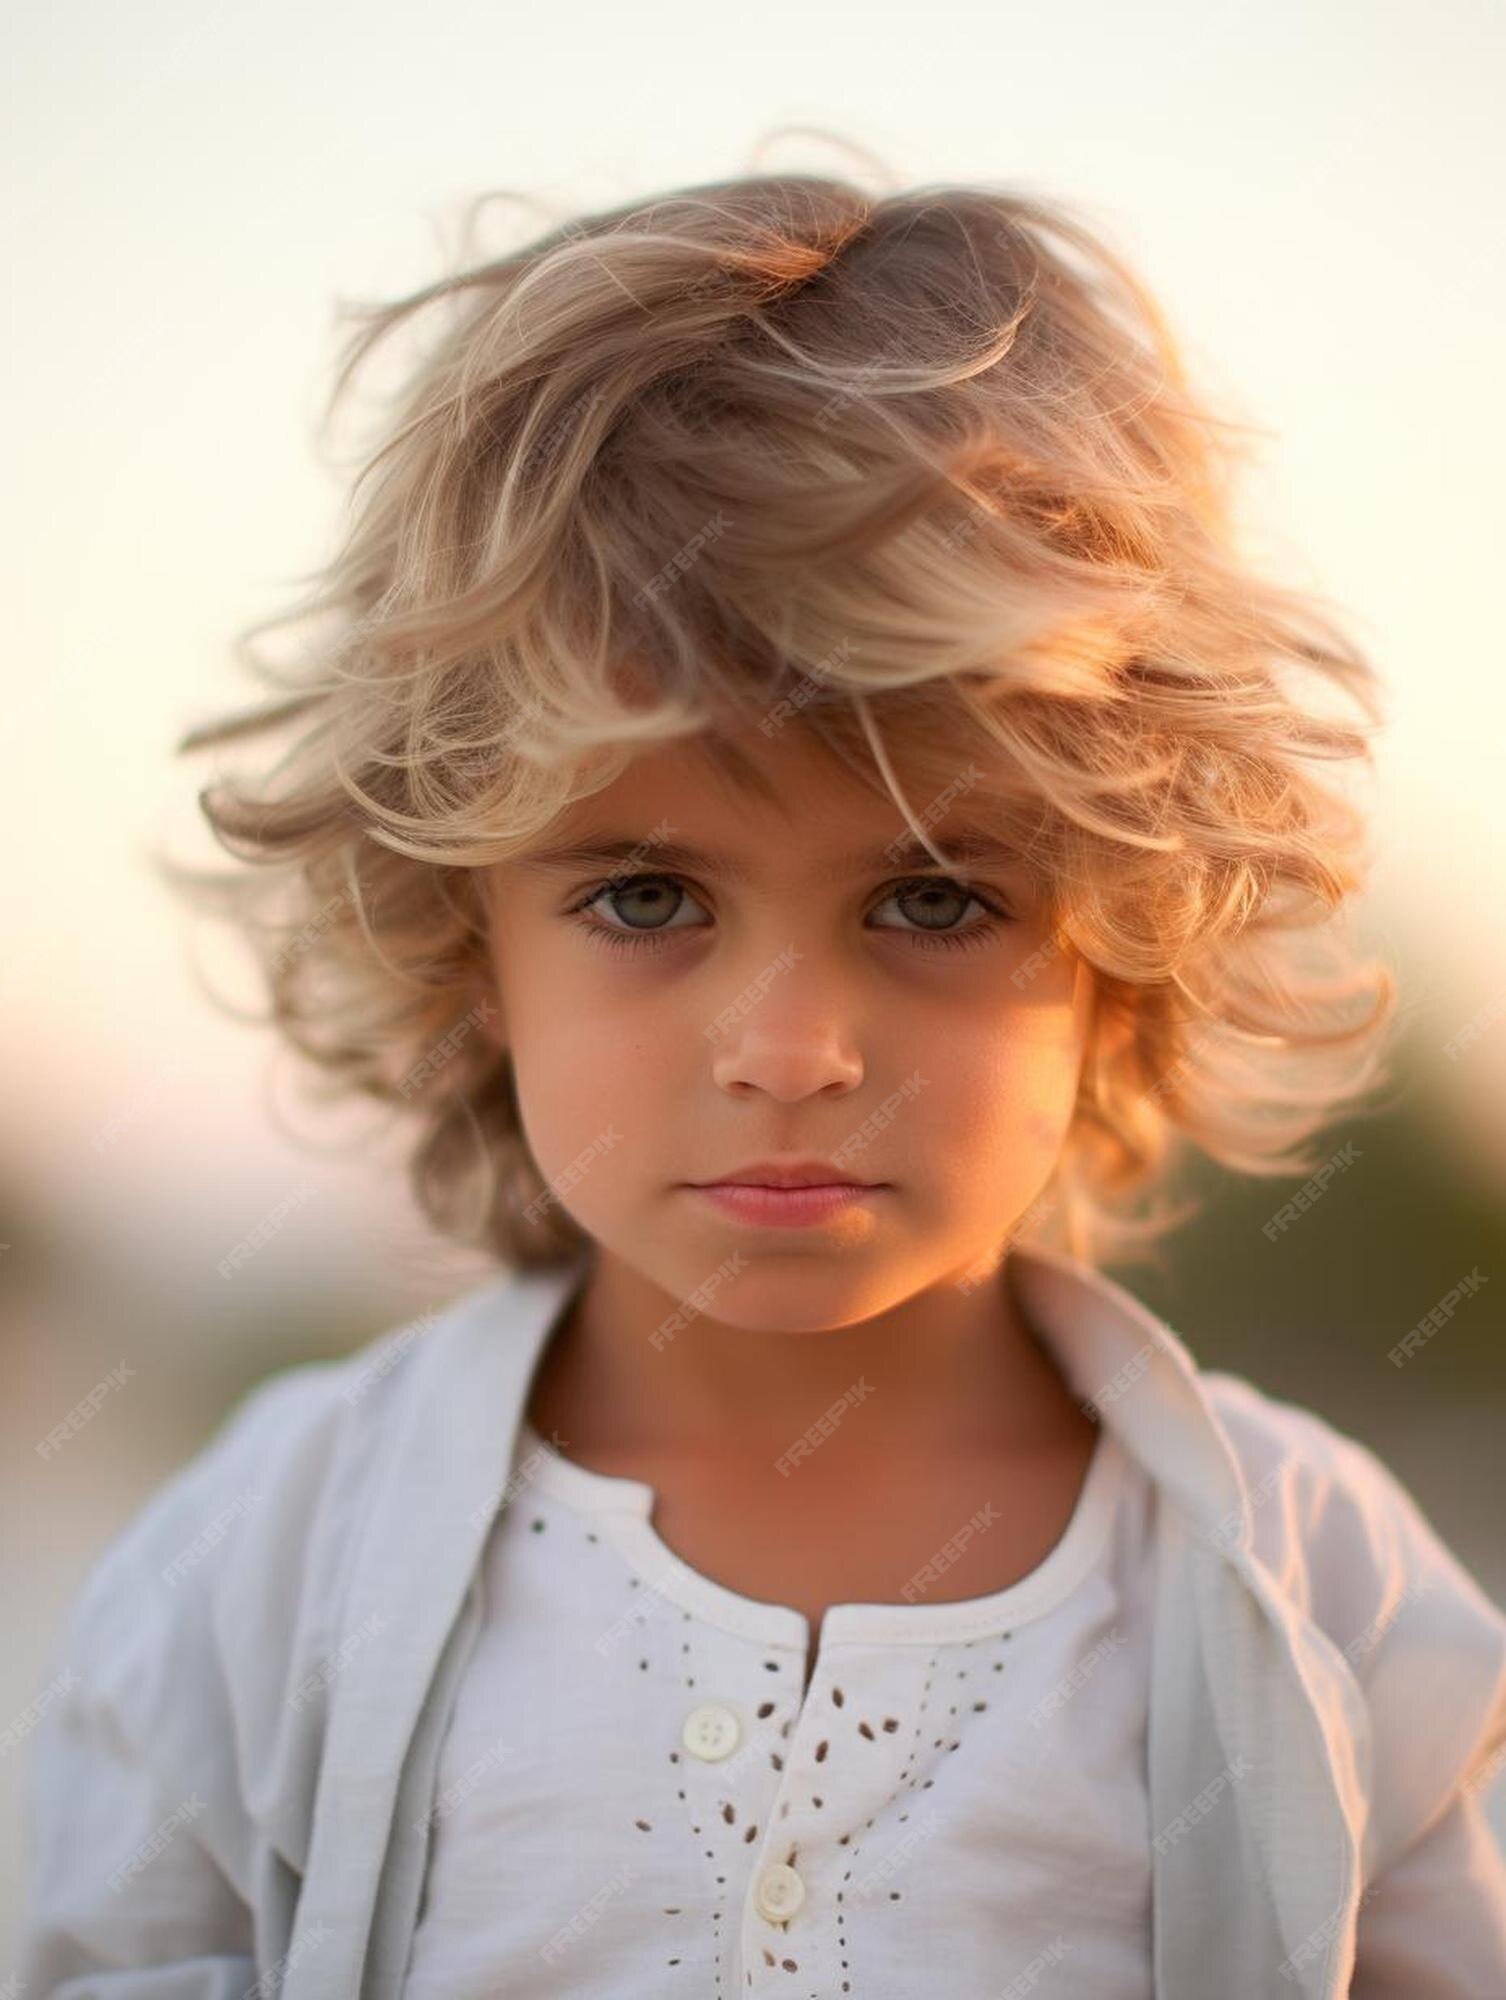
{"x":652,"y":895}
{"x":933,"y":898}
{"x":931,"y":902}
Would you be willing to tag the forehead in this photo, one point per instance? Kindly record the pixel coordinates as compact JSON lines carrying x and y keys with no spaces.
{"x":747,"y":810}
{"x":731,"y":778}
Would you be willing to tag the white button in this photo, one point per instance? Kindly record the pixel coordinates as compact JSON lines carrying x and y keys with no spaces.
{"x":780,"y":1892}
{"x":711,"y":1731}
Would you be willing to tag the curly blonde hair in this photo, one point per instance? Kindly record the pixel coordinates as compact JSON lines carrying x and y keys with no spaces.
{"x":922,"y":463}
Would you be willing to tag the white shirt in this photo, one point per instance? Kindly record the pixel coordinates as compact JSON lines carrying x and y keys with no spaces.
{"x":233,"y":1763}
{"x":963,"y":1785}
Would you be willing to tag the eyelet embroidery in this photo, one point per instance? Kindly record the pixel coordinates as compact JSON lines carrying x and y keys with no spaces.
{"x":825,"y":1752}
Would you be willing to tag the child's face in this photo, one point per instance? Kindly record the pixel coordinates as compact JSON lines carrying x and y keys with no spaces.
{"x":800,"y":1010}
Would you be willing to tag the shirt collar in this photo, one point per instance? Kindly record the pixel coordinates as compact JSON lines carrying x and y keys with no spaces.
{"x":1139,"y":1378}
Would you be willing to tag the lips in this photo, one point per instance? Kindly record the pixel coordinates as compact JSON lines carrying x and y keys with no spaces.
{"x":756,"y":1203}
{"x":787,"y":1174}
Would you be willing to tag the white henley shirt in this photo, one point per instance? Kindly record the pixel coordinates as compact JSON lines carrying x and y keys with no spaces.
{"x":638,"y":1795}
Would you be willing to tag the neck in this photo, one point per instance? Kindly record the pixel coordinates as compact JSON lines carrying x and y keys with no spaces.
{"x":944,"y":1371}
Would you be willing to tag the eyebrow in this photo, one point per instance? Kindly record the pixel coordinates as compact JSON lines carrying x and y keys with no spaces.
{"x":901,"y":854}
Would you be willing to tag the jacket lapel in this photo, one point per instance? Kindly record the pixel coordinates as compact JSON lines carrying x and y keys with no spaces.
{"x":1258,"y":1731}
{"x":447,"y":1449}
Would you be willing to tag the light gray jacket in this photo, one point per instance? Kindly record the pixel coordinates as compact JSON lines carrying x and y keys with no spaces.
{"x":233,"y":1764}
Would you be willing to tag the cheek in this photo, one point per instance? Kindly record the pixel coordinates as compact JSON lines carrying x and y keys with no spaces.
{"x":1018,"y":1091}
{"x":1006,"y":1093}
{"x":591,"y":1086}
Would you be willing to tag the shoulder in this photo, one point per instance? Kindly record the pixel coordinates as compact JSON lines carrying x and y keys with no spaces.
{"x":1326,"y":1508}
{"x":262,"y":1474}
{"x":220,"y":1594}
{"x":1347,"y":1540}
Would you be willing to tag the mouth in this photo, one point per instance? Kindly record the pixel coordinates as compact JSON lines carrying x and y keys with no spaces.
{"x":799,"y":1205}
{"x":787,"y":1174}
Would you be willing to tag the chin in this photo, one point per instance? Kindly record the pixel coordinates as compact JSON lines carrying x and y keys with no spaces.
{"x":802,"y":1291}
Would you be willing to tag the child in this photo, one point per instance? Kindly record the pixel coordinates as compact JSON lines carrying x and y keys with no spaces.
{"x":806,"y":813}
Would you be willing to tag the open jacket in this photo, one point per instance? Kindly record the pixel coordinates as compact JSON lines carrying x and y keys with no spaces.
{"x":232,"y":1766}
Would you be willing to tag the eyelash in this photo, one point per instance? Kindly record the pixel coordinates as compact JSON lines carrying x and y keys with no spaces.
{"x":626,"y":940}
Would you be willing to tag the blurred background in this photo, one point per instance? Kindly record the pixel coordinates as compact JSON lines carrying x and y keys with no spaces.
{"x":1314,"y":194}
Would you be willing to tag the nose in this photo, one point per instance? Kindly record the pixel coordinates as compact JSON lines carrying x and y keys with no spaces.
{"x":785,"y":1036}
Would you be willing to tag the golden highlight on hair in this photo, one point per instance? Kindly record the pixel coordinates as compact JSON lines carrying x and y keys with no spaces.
{"x":919,"y":473}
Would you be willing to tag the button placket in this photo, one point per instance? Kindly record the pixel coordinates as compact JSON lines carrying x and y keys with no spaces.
{"x":778,"y":1937}
{"x":729,"y":1785}
{"x":848,"y":1754}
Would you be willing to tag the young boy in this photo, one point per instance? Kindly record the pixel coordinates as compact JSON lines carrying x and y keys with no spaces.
{"x":805,"y":812}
